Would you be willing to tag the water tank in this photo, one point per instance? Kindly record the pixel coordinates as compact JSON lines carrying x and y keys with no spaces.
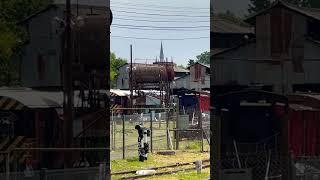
{"x":91,"y":42}
{"x":147,"y":73}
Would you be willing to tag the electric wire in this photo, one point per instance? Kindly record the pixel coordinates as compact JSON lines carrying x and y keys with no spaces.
{"x":159,"y":6}
{"x":162,"y":27}
{"x":161,"y":21}
{"x":158,"y":10}
{"x":157,"y":39}
{"x":158,"y":29}
{"x":162,"y":15}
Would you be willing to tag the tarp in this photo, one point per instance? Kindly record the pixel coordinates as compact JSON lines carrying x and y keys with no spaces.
{"x":204,"y":103}
{"x":303,"y":126}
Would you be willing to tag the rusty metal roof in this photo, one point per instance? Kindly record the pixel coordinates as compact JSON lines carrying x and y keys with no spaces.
{"x":220,"y":25}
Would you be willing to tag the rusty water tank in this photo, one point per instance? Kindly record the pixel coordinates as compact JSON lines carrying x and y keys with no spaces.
{"x":147,"y":73}
{"x":91,"y":42}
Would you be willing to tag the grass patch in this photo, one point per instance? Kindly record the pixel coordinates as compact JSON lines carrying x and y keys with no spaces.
{"x":155,"y":160}
{"x":193,"y":146}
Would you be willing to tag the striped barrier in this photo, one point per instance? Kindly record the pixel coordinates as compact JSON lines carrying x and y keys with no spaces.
{"x":10,"y":104}
{"x":114,"y":108}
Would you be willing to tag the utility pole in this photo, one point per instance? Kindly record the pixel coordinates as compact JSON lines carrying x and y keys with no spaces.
{"x":131,"y":79}
{"x":67,"y":87}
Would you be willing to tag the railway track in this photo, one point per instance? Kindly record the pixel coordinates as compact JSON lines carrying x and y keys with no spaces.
{"x":163,"y":170}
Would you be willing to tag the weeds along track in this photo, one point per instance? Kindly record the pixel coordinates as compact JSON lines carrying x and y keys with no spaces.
{"x":163,"y":170}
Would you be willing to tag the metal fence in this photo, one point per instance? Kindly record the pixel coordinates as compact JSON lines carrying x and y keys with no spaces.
{"x":263,"y":166}
{"x":124,"y":137}
{"x":306,"y":168}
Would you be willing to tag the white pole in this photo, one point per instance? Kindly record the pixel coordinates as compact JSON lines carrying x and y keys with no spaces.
{"x":112,"y":133}
{"x":236,"y":149}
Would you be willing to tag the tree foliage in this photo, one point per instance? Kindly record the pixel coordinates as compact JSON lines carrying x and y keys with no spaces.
{"x":191,"y":62}
{"x":11,"y":35}
{"x":202,"y":58}
{"x":258,"y":5}
{"x":115,"y":64}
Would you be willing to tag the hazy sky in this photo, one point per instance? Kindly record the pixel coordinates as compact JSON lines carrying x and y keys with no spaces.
{"x":188,"y":19}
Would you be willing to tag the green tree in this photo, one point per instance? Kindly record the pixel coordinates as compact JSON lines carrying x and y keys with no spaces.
{"x":11,"y":35}
{"x":204,"y":58}
{"x":115,"y":64}
{"x":191,"y":62}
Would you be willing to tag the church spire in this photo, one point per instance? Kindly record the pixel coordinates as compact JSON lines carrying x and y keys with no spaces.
{"x":161,"y":54}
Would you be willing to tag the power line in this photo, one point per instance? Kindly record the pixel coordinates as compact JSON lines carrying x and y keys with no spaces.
{"x":165,"y":21}
{"x":155,"y":29}
{"x":159,"y":39}
{"x":159,"y":6}
{"x":162,"y":27}
{"x":157,"y":17}
{"x":161,"y":10}
{"x":154,"y":14}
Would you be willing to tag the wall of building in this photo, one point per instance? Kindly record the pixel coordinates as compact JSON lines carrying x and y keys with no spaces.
{"x":183,"y":82}
{"x":297,"y":25}
{"x":123,"y":78}
{"x":45,"y":41}
{"x":203,"y":81}
{"x":239,"y":67}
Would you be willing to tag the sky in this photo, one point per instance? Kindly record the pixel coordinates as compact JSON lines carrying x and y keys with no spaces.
{"x":183,"y":27}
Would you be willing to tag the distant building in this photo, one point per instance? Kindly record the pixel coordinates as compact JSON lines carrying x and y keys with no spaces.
{"x":198,"y":79}
{"x":284,"y":55}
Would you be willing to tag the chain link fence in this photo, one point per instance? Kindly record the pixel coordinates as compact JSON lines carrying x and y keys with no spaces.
{"x":124,"y":136}
{"x":263,"y":166}
{"x":307,"y":168}
{"x":163,"y":126}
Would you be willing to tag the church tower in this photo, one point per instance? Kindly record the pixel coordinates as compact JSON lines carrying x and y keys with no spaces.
{"x":161,"y":54}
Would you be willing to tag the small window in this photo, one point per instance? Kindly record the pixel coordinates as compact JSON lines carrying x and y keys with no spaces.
{"x":122,"y":81}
